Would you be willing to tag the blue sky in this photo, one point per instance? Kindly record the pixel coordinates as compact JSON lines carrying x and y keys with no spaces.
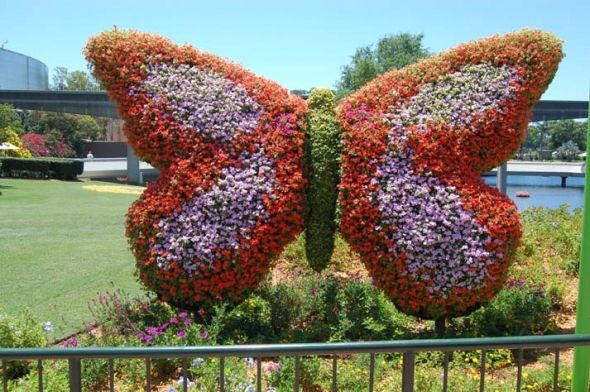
{"x":300,"y":44}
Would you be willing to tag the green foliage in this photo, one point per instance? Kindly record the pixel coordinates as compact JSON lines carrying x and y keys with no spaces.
{"x":551,"y":135}
{"x":205,"y":374}
{"x":17,"y":332}
{"x":63,"y":79}
{"x":322,"y":151}
{"x":515,"y":311}
{"x":392,"y":52}
{"x":10,"y":135}
{"x":568,"y":151}
{"x":249,"y":321}
{"x":73,"y":129}
{"x":9,"y":118}
{"x":63,"y":169}
{"x":284,"y":378}
{"x":551,"y":236}
{"x":563,"y":131}
{"x":364,"y":313}
{"x":286,"y":309}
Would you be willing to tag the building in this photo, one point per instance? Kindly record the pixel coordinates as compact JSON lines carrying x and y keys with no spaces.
{"x":21,"y":72}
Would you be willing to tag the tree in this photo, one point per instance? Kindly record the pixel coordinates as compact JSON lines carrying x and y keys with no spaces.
{"x":568,"y":151}
{"x":10,"y":118}
{"x":562,"y":131}
{"x":75,"y":80}
{"x":9,"y":135}
{"x":391,"y":52}
{"x":68,"y":128}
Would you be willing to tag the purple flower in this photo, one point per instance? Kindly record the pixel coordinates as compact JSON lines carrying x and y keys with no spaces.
{"x":272,"y":367}
{"x":181,"y":334}
{"x":444,"y":243}
{"x":217,"y":219}
{"x":202,"y":101}
{"x":203,"y":335}
{"x":71,"y":342}
{"x":249,"y":362}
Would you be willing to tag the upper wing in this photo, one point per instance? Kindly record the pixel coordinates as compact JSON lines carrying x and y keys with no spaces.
{"x":416,"y":142}
{"x":229,"y":146}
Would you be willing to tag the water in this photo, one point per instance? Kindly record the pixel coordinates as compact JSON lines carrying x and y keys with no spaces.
{"x":544,"y":191}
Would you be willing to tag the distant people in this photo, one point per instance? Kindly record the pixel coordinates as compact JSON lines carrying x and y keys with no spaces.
{"x":89,"y":155}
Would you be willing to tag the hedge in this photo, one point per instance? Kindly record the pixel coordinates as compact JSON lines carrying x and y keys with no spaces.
{"x":63,"y":169}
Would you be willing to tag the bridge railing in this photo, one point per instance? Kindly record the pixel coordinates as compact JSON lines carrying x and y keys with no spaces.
{"x":408,"y":349}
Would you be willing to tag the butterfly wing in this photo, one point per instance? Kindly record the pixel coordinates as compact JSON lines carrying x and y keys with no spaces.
{"x":416,"y":142}
{"x":229,"y":146}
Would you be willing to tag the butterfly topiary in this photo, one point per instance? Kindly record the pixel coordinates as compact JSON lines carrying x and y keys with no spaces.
{"x":244,"y":166}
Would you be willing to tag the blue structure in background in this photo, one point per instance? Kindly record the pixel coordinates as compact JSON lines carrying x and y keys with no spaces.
{"x":21,"y":72}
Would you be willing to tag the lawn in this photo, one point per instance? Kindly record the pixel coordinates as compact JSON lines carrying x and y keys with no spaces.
{"x":60,"y":244}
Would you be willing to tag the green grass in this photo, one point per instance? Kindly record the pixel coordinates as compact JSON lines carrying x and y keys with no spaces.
{"x":60,"y":244}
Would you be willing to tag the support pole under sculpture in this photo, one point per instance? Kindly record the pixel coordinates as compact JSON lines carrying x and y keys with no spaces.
{"x":133,"y":172}
{"x":502,"y":177}
{"x":582,"y":354}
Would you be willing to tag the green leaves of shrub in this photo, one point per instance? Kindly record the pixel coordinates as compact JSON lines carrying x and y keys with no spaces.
{"x":20,"y":332}
{"x":322,"y":154}
{"x":516,"y":311}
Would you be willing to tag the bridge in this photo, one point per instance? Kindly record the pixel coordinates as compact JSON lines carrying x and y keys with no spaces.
{"x":97,"y":103}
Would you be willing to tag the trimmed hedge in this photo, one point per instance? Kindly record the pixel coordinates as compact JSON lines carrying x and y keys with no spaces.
{"x":322,"y":149}
{"x":63,"y":169}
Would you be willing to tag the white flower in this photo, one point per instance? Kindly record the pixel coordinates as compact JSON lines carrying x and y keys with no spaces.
{"x":198,"y":362}
{"x":180,"y":381}
{"x":250,"y":388}
{"x":48,"y":327}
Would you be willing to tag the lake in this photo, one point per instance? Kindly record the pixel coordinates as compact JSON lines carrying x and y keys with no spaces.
{"x":545,"y":191}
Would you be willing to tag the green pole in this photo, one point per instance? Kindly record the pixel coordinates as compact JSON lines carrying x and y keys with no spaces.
{"x":582,"y":354}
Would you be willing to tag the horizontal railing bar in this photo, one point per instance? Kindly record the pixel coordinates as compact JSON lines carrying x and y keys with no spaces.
{"x":272,"y":350}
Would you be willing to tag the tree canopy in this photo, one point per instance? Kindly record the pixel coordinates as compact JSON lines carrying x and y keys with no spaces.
{"x":63,"y":79}
{"x":391,"y":52}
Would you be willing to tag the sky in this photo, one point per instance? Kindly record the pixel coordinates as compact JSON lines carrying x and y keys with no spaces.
{"x":299,"y":44}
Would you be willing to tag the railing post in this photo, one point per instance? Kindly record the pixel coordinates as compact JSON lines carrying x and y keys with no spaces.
{"x":408,"y":372}
{"x":75,"y":374}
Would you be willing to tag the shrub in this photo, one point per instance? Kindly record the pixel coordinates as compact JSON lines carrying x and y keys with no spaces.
{"x":19,"y":332}
{"x":516,"y":311}
{"x":63,"y":169}
{"x":249,"y":321}
{"x":322,"y":152}
{"x":46,"y":145}
{"x":286,"y":309}
{"x":364,"y":313}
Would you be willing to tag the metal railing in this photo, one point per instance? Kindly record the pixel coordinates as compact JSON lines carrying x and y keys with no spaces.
{"x":408,"y":349}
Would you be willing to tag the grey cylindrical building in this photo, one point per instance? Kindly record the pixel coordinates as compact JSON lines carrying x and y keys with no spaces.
{"x":21,"y":72}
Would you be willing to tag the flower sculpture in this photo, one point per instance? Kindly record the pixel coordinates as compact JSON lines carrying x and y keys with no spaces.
{"x":230,"y":148}
{"x":433,"y":236}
